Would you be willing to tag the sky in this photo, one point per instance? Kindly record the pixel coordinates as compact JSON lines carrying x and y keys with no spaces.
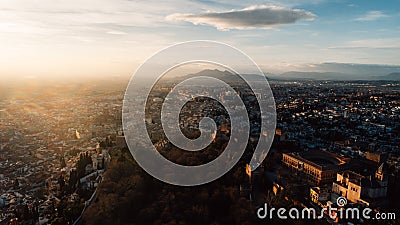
{"x":75,"y":38}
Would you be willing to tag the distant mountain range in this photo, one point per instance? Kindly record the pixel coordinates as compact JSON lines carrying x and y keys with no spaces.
{"x":298,"y":75}
{"x":223,"y":75}
{"x":331,"y":76}
{"x":392,"y":76}
{"x":340,"y":71}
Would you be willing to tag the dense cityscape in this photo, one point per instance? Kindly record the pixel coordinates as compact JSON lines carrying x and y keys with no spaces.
{"x":53,"y":152}
{"x":64,"y":159}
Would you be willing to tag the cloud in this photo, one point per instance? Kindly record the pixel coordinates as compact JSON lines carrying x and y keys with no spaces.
{"x":381,"y":43}
{"x":116,"y":32}
{"x":371,"y":16}
{"x":247,"y":18}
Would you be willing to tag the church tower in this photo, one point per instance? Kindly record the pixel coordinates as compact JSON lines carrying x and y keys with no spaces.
{"x":381,"y":175}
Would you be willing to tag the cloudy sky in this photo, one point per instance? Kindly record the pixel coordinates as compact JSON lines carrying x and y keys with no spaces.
{"x":113,"y":37}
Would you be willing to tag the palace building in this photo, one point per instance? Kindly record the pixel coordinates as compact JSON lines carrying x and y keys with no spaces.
{"x":318,"y":167}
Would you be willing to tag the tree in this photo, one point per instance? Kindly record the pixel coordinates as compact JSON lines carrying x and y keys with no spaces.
{"x":16,"y":184}
{"x":61,"y":182}
{"x":62,"y":162}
